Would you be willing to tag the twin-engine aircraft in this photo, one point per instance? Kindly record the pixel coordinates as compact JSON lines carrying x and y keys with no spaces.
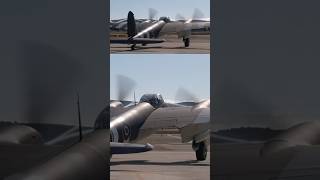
{"x":134,"y":122}
{"x":152,"y":30}
{"x":136,"y":38}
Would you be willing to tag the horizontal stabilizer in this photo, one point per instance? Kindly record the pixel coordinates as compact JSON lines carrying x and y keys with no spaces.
{"x":128,"y":148}
{"x":137,"y":41}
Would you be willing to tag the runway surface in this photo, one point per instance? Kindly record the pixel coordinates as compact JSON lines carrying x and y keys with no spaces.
{"x":170,"y":160}
{"x":244,"y":161}
{"x":199,"y":44}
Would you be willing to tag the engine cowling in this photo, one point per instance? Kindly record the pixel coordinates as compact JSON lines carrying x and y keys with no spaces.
{"x":125,"y":127}
{"x":87,"y":159}
{"x":102,"y":119}
{"x":303,"y":134}
{"x":20,"y":134}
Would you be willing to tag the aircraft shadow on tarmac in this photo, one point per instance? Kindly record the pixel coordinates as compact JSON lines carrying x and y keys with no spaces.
{"x":127,"y":49}
{"x":145,"y":162}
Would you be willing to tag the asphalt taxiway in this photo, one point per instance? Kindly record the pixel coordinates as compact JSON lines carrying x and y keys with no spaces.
{"x":169,"y":160}
{"x":199,"y":44}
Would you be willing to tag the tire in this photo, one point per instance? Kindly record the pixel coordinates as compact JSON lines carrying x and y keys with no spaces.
{"x":186,"y":42}
{"x":201,"y":152}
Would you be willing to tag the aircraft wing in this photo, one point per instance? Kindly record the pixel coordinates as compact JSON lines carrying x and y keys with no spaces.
{"x":173,"y":27}
{"x":192,"y":122}
{"x":136,"y":41}
{"x":169,"y":117}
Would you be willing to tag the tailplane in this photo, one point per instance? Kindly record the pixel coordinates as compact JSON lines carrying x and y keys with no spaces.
{"x":131,"y":23}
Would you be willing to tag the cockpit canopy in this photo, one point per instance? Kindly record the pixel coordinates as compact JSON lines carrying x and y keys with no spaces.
{"x":155,"y":100}
{"x":165,"y":19}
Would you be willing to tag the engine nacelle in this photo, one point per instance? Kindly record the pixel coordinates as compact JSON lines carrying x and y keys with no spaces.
{"x":303,"y":134}
{"x":19,"y":134}
{"x":87,"y":159}
{"x":102,"y":119}
{"x":116,"y":104}
{"x":125,"y":127}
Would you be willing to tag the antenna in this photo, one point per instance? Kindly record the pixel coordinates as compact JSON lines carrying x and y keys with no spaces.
{"x":134,"y":97}
{"x":79,"y":116}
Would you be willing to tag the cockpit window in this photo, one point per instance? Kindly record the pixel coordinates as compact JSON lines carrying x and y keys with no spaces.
{"x":155,"y":100}
{"x":165,"y":19}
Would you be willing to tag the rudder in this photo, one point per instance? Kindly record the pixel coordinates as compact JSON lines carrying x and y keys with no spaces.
{"x":131,"y":23}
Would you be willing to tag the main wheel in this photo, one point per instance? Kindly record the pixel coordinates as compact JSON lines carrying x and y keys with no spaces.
{"x":186,"y":42}
{"x":133,"y":47}
{"x":201,"y":152}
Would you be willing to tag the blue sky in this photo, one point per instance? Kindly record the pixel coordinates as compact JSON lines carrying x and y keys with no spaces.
{"x":162,"y":73}
{"x":120,"y":8}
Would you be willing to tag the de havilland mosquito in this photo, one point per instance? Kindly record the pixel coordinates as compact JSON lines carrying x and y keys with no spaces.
{"x":134,"y":122}
{"x":149,"y":31}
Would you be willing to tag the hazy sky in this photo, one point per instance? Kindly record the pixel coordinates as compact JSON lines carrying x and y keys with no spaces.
{"x":140,"y":8}
{"x":162,"y":73}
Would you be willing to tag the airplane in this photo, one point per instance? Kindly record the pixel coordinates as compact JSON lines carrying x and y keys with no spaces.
{"x":59,"y":160}
{"x":152,"y":30}
{"x":138,"y":121}
{"x":32,"y":146}
{"x":134,"y":38}
{"x":198,"y":23}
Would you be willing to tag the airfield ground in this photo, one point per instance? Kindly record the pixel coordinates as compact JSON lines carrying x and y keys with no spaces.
{"x":169,"y":160}
{"x":199,"y":44}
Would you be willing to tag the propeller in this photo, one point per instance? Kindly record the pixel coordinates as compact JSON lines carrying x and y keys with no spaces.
{"x":125,"y":86}
{"x":152,"y":13}
{"x":184,"y":95}
{"x":180,"y":17}
{"x":197,"y":14}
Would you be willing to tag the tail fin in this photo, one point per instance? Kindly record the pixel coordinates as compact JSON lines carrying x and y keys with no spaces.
{"x":131,"y":23}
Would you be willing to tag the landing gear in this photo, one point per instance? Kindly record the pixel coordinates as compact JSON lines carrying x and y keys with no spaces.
{"x":186,"y":42}
{"x":133,"y":47}
{"x":200,"y":149}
